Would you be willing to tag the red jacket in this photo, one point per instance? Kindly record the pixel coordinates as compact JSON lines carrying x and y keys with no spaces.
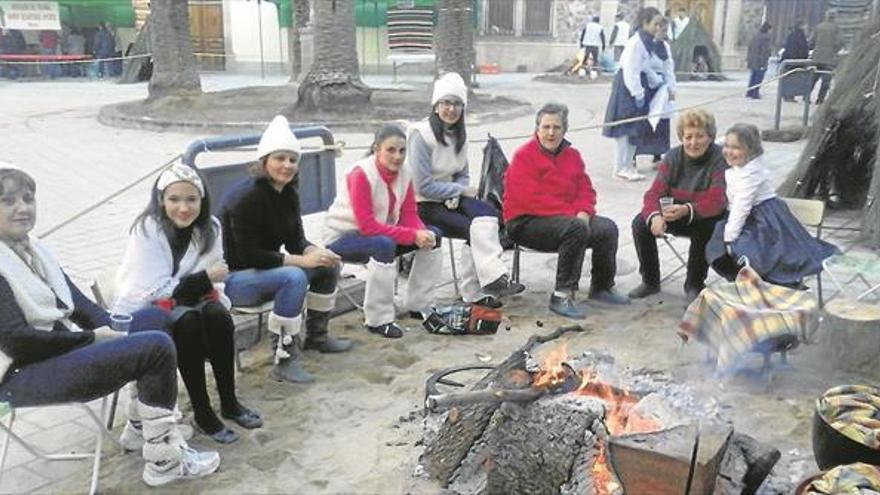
{"x":544,"y":184}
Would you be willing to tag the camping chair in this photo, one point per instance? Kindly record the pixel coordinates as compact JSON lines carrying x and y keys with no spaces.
{"x":811,"y":214}
{"x":7,"y":426}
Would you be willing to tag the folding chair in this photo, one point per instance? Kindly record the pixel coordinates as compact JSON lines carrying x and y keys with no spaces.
{"x":682,"y":261}
{"x":811,"y":214}
{"x":95,"y":455}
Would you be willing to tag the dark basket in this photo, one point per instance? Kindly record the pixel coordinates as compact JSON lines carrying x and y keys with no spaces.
{"x":832,"y":448}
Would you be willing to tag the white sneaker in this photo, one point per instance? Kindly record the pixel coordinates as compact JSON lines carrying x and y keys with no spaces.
{"x":132,"y":437}
{"x":630,"y":175}
{"x":192,"y":465}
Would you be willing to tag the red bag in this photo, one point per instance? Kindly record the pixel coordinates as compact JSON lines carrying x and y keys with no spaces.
{"x":484,"y":320}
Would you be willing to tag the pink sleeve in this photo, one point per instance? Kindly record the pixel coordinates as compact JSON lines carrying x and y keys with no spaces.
{"x":361,"y":195}
{"x":409,"y":212}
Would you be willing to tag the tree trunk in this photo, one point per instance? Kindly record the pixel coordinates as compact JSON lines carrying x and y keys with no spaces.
{"x":454,"y":38}
{"x":334,"y":82}
{"x":301,"y":11}
{"x":175,"y":71}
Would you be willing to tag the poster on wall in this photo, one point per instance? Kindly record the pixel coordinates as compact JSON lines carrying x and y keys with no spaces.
{"x":29,"y":15}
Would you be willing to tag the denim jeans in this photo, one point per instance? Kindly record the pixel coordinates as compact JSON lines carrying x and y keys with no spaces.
{"x":571,"y":237}
{"x":286,"y":285}
{"x":455,"y":223}
{"x":756,"y":76}
{"x":96,"y":370}
{"x":356,"y":248}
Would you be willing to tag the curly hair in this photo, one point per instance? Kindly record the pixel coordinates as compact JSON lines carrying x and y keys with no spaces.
{"x":696,"y":117}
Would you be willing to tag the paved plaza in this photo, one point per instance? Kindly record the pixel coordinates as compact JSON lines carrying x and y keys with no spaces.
{"x":50,"y":130}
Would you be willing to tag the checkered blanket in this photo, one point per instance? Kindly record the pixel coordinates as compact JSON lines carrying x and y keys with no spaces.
{"x":854,"y":411}
{"x":749,"y":315}
{"x":849,"y":479}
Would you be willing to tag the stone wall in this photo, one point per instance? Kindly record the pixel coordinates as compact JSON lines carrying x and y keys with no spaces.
{"x":571,"y":15}
{"x":750,"y":21}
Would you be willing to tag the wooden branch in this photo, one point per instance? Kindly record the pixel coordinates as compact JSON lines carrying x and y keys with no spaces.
{"x":440,"y":402}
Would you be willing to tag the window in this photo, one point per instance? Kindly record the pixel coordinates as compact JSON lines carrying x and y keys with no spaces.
{"x":499,"y":18}
{"x":538,"y":18}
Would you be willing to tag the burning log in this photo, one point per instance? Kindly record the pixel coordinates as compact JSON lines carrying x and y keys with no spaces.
{"x":460,"y":430}
{"x":746,"y":465}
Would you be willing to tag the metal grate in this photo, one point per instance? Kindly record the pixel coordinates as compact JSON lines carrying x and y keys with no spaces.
{"x":499,"y":18}
{"x":538,"y":17}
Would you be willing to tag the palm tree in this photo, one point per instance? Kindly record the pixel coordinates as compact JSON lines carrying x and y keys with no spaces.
{"x":333,"y":81}
{"x":175,"y":71}
{"x":301,"y":11}
{"x":454,"y":37}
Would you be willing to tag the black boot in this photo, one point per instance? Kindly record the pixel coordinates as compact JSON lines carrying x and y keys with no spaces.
{"x":317,"y":337}
{"x":289,"y":368}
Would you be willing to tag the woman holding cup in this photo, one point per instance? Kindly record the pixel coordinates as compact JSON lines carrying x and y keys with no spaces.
{"x":174,"y":261}
{"x":686,"y":199}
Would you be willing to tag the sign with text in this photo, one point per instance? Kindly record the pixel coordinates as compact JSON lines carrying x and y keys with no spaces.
{"x":29,"y":15}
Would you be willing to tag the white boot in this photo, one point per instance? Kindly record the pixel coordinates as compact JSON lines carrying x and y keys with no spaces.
{"x":168,"y":457}
{"x":288,"y":351}
{"x":379,"y":293}
{"x":132,"y":437}
{"x":486,"y":252}
{"x":469,"y":283}
{"x":427,"y":265}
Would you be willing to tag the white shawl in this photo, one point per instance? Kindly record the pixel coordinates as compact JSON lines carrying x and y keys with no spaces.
{"x":145,"y":273}
{"x":36,"y":297}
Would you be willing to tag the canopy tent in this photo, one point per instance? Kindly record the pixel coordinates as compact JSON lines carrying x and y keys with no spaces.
{"x":88,"y":13}
{"x":695,"y":41}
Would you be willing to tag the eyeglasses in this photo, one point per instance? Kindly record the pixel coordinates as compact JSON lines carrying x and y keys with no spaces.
{"x":450,"y":104}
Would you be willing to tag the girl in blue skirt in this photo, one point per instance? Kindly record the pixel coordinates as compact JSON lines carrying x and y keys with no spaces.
{"x":759,"y":226}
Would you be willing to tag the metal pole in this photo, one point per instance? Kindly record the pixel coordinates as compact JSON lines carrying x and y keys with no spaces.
{"x":280,"y":47}
{"x":260,"y":22}
{"x":808,"y":95}
{"x":378,"y":46}
{"x":781,"y":70}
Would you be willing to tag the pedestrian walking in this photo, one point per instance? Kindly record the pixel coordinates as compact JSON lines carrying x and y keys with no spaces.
{"x":619,"y":36}
{"x":826,"y":43}
{"x":592,"y":40}
{"x":757,"y":59}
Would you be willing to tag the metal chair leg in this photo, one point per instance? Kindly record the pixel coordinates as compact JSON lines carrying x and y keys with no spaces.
{"x":514,"y":272}
{"x":452,"y":266}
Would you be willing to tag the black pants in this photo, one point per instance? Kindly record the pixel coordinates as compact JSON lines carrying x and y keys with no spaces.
{"x":699,"y":232}
{"x":571,"y":237}
{"x":207,"y":334}
{"x":826,"y":81}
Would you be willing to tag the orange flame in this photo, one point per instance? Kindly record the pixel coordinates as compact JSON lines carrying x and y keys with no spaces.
{"x":552,"y":372}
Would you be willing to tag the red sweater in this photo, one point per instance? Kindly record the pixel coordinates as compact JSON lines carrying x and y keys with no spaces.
{"x":544,"y":184}
{"x":699,"y":184}
{"x":360,"y":194}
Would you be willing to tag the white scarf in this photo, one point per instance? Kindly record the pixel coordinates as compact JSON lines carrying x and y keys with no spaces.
{"x":35,"y":296}
{"x":145,"y":273}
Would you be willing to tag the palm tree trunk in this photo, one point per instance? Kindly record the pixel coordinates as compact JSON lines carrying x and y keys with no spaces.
{"x":300,"y":20}
{"x":175,"y":72}
{"x":333,"y":81}
{"x":454,"y":37}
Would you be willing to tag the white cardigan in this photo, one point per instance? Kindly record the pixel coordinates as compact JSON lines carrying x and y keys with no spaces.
{"x":747,"y":186}
{"x":145,"y":273}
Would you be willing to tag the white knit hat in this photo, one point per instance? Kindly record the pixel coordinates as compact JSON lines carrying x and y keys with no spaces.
{"x":451,"y":84}
{"x":277,"y":137}
{"x":180,"y":173}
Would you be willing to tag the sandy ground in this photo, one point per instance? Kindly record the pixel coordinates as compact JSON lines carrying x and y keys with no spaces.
{"x":358,"y":428}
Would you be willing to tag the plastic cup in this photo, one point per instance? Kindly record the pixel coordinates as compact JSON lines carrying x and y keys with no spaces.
{"x":121,"y":322}
{"x":666,"y":201}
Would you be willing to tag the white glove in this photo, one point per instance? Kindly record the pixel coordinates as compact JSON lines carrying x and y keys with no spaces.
{"x":451,"y":203}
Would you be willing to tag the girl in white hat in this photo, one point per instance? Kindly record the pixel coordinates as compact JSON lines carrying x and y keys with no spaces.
{"x":373,"y":220}
{"x":174,"y":261}
{"x":437,"y":158}
{"x":261,"y":215}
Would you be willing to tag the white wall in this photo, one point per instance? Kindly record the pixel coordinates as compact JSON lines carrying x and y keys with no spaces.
{"x":242,"y":25}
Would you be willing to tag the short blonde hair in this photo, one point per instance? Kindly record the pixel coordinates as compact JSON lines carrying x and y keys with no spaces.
{"x":696,"y":117}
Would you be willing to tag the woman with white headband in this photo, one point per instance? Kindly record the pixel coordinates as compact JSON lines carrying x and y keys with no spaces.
{"x":174,"y":260}
{"x":260,"y":215}
{"x":436,"y":156}
{"x":56,"y":345}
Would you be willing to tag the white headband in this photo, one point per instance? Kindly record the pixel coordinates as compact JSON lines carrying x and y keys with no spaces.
{"x":180,"y":173}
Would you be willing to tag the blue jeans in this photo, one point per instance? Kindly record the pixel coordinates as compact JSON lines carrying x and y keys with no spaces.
{"x":756,"y":76}
{"x":455,"y":223}
{"x":357,"y":248}
{"x":286,"y":285}
{"x":96,"y":370}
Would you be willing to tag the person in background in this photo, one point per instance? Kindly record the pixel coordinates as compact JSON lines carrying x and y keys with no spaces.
{"x":174,"y":261}
{"x":660,"y":74}
{"x":632,"y":91}
{"x":550,"y":206}
{"x":691,"y":178}
{"x":759,"y":225}
{"x":104,"y":48}
{"x":373,"y":220}
{"x":436,"y":156}
{"x":796,"y":48}
{"x":680,"y":23}
{"x":49,"y":46}
{"x":56,"y":345}
{"x":259,"y":216}
{"x":592,"y":40}
{"x":619,"y":35}
{"x":826,"y":43}
{"x":13,"y":43}
{"x":757,"y":59}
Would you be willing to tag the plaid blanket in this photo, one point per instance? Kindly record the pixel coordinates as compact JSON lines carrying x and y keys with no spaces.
{"x":849,"y":479}
{"x":854,"y":411}
{"x":749,"y":315}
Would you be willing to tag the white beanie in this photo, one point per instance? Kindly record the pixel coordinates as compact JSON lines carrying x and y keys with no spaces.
{"x":278,"y":137}
{"x":451,"y":84}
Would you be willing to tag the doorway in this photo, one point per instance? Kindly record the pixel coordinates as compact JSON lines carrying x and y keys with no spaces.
{"x":206,"y":32}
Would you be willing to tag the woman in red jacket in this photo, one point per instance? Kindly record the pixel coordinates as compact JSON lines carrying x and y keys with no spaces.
{"x":550,"y":206}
